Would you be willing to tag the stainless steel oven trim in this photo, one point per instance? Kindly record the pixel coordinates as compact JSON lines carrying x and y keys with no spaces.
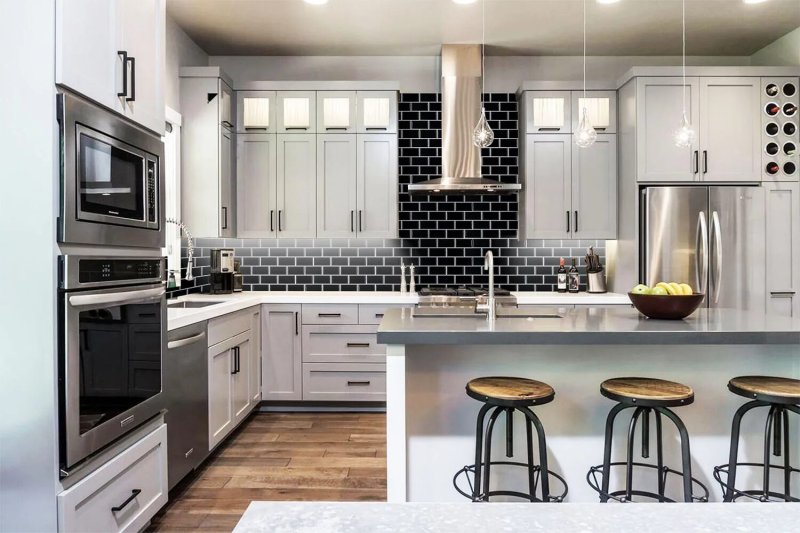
{"x":71,"y":280}
{"x":78,"y":447}
{"x":75,"y":114}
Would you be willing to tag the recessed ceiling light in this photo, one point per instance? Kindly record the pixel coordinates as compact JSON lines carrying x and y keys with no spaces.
{"x":464,"y":1}
{"x":316,"y":2}
{"x":607,"y":1}
{"x":754,"y":1}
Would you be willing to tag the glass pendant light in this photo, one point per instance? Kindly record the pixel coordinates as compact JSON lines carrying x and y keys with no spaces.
{"x":684,"y":135}
{"x":585,"y":136}
{"x":482,"y":135}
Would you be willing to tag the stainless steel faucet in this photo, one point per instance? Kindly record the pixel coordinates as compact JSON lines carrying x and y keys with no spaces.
{"x":488,"y":264}
{"x":190,"y":248}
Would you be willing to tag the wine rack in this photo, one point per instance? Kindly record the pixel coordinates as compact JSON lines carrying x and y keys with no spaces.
{"x":780,"y":98}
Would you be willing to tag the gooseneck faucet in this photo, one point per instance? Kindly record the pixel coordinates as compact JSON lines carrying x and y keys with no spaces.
{"x":488,"y":264}
{"x":189,"y":248}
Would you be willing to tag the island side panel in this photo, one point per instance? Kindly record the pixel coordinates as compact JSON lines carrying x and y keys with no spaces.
{"x":440,"y":418}
{"x":396,"y":423}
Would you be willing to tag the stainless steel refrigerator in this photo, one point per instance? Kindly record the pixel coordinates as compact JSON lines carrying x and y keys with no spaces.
{"x":710,"y":237}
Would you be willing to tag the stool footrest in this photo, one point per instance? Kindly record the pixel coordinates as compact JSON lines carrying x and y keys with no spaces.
{"x":596,"y":472}
{"x":470,"y":470}
{"x":753,"y":494}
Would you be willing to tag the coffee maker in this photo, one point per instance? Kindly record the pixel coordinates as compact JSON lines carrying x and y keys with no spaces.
{"x":222,"y":270}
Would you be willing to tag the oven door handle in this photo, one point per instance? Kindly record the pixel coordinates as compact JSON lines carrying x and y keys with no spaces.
{"x":116,"y":298}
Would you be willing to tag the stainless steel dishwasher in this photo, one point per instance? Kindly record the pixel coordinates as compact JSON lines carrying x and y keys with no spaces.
{"x":186,"y":397}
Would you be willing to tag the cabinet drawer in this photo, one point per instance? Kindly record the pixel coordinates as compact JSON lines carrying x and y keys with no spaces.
{"x":373,"y":313}
{"x":227,"y":326}
{"x":330,"y":314}
{"x":134,"y":483}
{"x":342,"y":344}
{"x":344,"y":382}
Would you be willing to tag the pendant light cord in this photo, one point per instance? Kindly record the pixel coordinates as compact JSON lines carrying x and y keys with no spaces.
{"x":683,"y":52}
{"x":584,"y":50}
{"x":483,"y":50}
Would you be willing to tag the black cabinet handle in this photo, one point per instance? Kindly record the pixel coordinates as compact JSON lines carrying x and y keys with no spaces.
{"x":297,"y":128}
{"x":696,"y":161}
{"x":233,"y":362}
{"x":134,"y":494}
{"x":352,"y":228}
{"x":567,"y":221}
{"x":132,"y":97}
{"x":359,"y":220}
{"x":358,"y":345}
{"x":272,"y":220}
{"x":576,"y":221}
{"x":224,"y":217}
{"x":548,"y":129}
{"x":329,"y":315}
{"x":376,"y":129}
{"x":378,"y":315}
{"x":238,"y":360}
{"x":705,"y":161}
{"x":357,"y":383}
{"x":337,"y":128}
{"x":280,"y":213}
{"x":296,"y":323}
{"x":124,"y":56}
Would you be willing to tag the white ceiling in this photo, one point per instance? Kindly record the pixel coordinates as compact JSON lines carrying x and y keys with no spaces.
{"x":513,"y":27}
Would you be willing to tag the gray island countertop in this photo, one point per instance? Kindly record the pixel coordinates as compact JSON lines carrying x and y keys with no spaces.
{"x":621,"y":325}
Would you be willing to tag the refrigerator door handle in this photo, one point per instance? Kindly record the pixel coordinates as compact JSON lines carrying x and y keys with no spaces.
{"x":701,"y":253}
{"x":717,"y":236}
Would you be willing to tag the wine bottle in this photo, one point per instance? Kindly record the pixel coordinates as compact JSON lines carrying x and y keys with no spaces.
{"x":789,"y":109}
{"x":789,"y":128}
{"x":789,"y":149}
{"x":789,"y":168}
{"x":789,"y":89}
{"x":772,"y":90}
{"x":561,"y":284}
{"x":772,"y":109}
{"x":772,"y":129}
{"x":773,"y":168}
{"x":772,"y":148}
{"x":574,"y":278}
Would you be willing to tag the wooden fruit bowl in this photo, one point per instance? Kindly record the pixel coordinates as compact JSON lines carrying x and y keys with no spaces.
{"x":666,"y":307}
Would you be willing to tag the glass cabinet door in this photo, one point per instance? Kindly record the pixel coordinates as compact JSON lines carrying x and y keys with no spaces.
{"x":548,"y":112}
{"x":297,"y":111}
{"x":377,"y":112}
{"x":337,"y":112}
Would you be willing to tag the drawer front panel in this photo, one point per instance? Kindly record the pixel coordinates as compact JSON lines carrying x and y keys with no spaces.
{"x":373,"y":313}
{"x":342,"y":344}
{"x":344,"y":382}
{"x":227,"y":326}
{"x":123,"y":494}
{"x":330,"y":314}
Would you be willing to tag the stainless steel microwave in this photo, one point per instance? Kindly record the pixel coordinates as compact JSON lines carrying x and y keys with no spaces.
{"x":112,"y":178}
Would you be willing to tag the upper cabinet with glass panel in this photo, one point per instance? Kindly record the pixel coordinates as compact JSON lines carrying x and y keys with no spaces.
{"x":337,"y":112}
{"x":601,"y":106}
{"x":377,"y":111}
{"x":547,"y":112}
{"x":296,"y":111}
{"x":255,"y":112}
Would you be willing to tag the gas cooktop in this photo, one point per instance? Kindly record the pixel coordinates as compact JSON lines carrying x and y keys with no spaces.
{"x":462,"y":296}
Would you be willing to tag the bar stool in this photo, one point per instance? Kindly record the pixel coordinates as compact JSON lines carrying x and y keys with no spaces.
{"x":506,"y":395}
{"x":781,"y":395}
{"x":645,"y":395}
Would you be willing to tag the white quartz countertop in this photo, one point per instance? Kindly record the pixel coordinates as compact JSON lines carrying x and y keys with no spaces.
{"x":228,"y":303}
{"x":359,"y":517}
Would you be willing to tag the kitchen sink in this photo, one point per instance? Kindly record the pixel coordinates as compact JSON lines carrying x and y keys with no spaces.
{"x":193,"y":305}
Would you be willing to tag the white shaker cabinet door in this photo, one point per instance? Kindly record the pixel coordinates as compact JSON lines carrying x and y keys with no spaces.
{"x":296,"y":111}
{"x":336,"y":112}
{"x":547,"y":204}
{"x":336,"y":185}
{"x":240,"y":393}
{"x":547,"y":112}
{"x":281,"y":361}
{"x":377,"y":111}
{"x":659,"y":108}
{"x":730,"y":129}
{"x":297,"y":186}
{"x":783,"y":248}
{"x":256,"y":185}
{"x":255,"y":112}
{"x":226,"y":187}
{"x":376,"y":170}
{"x":255,"y":358}
{"x":220,"y":392}
{"x":594,"y":189}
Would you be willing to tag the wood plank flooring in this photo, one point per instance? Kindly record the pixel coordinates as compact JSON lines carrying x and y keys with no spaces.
{"x":282,"y":456}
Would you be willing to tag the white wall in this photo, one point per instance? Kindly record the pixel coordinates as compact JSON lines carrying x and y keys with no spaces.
{"x":181,"y":51}
{"x":784,"y":51}
{"x":422,"y":73}
{"x":28,"y":436}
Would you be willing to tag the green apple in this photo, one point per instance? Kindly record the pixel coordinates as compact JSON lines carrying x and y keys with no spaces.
{"x":640,"y":289}
{"x":658,"y":291}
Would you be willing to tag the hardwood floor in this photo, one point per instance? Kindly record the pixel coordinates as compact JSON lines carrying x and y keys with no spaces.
{"x":282,"y":456}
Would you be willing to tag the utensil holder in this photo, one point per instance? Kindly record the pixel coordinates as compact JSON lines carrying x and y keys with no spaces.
{"x":597,"y":282}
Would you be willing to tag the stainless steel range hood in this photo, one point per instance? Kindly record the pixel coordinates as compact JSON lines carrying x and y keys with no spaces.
{"x":461,"y":106}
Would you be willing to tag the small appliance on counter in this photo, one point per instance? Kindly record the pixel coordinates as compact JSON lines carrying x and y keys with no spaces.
{"x":222,"y":270}
{"x":238,"y":279}
{"x":595,"y":274}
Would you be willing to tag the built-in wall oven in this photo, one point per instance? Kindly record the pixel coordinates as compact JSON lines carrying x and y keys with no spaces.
{"x":111,"y":178}
{"x":113,"y":324}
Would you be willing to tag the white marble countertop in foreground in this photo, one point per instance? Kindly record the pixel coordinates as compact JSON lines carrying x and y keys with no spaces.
{"x":319,"y":517}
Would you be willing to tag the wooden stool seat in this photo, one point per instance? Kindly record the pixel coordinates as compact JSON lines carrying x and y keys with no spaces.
{"x":647,"y":392}
{"x":767,"y":388}
{"x":510,"y":391}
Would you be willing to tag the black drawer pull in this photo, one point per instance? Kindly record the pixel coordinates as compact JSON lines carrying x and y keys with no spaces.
{"x":378,"y":315}
{"x":358,"y":345}
{"x":329,"y":315}
{"x":357,"y":383}
{"x":134,"y":494}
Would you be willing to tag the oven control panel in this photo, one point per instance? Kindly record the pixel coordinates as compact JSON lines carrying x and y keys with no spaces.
{"x":110,"y":270}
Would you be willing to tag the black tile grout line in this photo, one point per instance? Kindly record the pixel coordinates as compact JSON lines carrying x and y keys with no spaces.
{"x":444,"y":236}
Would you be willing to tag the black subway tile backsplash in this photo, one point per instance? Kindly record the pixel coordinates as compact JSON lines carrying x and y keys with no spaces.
{"x":444,"y":236}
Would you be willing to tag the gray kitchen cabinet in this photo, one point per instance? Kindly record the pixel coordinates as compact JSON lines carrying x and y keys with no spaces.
{"x":220,"y":392}
{"x":281,"y":366}
{"x":352,"y":382}
{"x":336,"y":111}
{"x":255,"y":112}
{"x":377,"y":111}
{"x":297,"y":185}
{"x":601,"y":107}
{"x":255,"y":357}
{"x":546,"y":112}
{"x":352,"y":343}
{"x":296,"y":111}
{"x":207,"y":157}
{"x":730,"y":128}
{"x":336,"y":185}
{"x":256,"y":185}
{"x":376,"y":186}
{"x":659,"y":107}
{"x":546,"y":199}
{"x":240,"y":388}
{"x":783,"y":248}
{"x":594,"y":189}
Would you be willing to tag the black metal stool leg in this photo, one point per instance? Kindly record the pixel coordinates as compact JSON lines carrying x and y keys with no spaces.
{"x":476,"y":490}
{"x":487,"y":450}
{"x":733,"y":455}
{"x":660,"y":458}
{"x":768,"y":430}
{"x":629,"y":453}
{"x":787,"y":468}
{"x":545,"y":472}
{"x":686,"y":456}
{"x":612,"y":415}
{"x":510,"y":432}
{"x":531,"y":471}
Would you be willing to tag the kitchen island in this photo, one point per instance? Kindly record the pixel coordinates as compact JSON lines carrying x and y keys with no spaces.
{"x":431,"y":421}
